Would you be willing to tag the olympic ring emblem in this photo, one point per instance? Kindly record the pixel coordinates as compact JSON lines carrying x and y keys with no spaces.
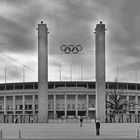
{"x":71,"y":48}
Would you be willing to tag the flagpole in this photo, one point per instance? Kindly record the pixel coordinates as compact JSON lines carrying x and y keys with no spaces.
{"x":81,"y":72}
{"x":60,"y":71}
{"x":136,"y":74}
{"x":70,"y":72}
{"x":117,"y":73}
{"x":5,"y":75}
{"x":23,"y":73}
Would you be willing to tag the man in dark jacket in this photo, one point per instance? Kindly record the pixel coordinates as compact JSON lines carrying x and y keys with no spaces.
{"x":81,"y":121}
{"x":97,"y":127}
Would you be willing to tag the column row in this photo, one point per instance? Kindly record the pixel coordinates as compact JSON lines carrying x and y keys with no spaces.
{"x":19,"y":104}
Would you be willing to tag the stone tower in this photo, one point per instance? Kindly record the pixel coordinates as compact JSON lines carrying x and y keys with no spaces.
{"x":42,"y":72}
{"x":100,"y":72}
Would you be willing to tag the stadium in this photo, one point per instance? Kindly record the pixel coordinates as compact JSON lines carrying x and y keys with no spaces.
{"x":65,"y":99}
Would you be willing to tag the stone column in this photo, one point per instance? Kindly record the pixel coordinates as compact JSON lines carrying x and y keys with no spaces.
{"x":100,"y":72}
{"x":54,"y":97}
{"x":87,"y":98}
{"x":108,"y":99}
{"x":23,"y":103}
{"x":136,"y":106}
{"x":127,"y":98}
{"x":5,"y":112}
{"x":65,"y":105}
{"x":76,"y":105}
{"x":14,"y":105}
{"x":33,"y":105}
{"x":42,"y":72}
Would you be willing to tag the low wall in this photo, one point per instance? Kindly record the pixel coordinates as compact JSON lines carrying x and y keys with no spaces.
{"x":10,"y":118}
{"x":123,"y":118}
{"x":119,"y":118}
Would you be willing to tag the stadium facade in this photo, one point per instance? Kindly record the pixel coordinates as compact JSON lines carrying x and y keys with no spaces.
{"x":65,"y":99}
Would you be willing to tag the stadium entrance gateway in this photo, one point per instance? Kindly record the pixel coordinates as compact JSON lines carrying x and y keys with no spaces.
{"x":100,"y":72}
{"x":43,"y":74}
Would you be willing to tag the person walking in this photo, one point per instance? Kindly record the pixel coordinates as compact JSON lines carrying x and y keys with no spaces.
{"x":81,"y":121}
{"x":97,"y":127}
{"x":15,"y":120}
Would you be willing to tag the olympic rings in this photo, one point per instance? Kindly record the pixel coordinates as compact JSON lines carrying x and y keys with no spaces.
{"x":71,"y":48}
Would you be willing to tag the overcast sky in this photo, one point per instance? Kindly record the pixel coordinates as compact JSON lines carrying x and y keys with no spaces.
{"x":69,"y":22}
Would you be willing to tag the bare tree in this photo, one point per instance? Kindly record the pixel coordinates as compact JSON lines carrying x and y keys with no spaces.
{"x":117,"y":102}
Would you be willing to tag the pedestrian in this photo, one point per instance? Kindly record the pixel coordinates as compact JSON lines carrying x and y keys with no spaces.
{"x":97,"y":127}
{"x":15,"y":120}
{"x":81,"y":121}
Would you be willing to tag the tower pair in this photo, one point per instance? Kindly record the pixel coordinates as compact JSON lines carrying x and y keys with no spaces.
{"x":43,"y":72}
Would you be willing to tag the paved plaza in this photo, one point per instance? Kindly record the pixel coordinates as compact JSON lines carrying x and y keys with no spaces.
{"x":69,"y":131}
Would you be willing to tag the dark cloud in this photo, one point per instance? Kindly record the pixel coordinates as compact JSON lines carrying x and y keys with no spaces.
{"x":72,"y":22}
{"x":15,"y":2}
{"x":131,"y":8}
{"x":18,"y":28}
{"x":126,"y":35}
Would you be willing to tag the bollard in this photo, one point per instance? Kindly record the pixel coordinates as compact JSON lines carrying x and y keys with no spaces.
{"x":137,"y":133}
{"x":1,"y":134}
{"x":19,"y":134}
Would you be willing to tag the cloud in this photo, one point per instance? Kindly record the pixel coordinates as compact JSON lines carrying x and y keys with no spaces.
{"x":70,"y":22}
{"x":125,"y":28}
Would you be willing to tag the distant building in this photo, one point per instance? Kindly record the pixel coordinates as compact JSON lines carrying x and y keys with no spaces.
{"x":65,"y":99}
